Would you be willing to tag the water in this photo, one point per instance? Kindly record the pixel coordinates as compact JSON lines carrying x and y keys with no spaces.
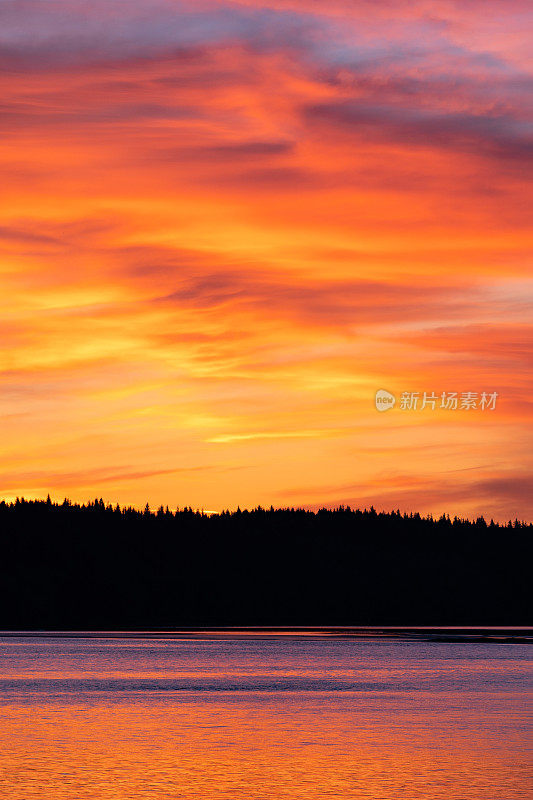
{"x":257,"y":718}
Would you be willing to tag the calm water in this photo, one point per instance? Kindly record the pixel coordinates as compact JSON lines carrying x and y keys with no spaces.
{"x":264,"y":718}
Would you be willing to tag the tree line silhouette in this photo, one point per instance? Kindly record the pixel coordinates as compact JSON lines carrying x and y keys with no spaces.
{"x":97,"y":566}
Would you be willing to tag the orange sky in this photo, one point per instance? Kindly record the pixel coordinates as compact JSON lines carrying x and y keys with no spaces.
{"x":225,"y":225}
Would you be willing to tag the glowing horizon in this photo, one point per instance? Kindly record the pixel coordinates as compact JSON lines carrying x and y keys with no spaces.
{"x":226,"y":225}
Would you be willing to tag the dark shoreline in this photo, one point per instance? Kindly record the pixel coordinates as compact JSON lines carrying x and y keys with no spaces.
{"x":449,"y":634}
{"x":343,"y":572}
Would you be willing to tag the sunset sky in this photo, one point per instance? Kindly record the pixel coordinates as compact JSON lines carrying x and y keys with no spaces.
{"x":225,"y":225}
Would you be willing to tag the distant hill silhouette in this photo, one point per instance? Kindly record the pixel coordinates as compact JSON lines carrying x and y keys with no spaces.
{"x":68,"y":566}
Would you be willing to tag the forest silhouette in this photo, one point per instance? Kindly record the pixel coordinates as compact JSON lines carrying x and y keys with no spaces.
{"x":95,"y":566}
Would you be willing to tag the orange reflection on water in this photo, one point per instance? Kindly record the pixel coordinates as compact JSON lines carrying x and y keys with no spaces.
{"x":303,"y":717}
{"x":242,"y":749}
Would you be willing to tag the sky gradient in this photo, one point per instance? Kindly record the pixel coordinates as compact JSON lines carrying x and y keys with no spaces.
{"x":225,"y":225}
